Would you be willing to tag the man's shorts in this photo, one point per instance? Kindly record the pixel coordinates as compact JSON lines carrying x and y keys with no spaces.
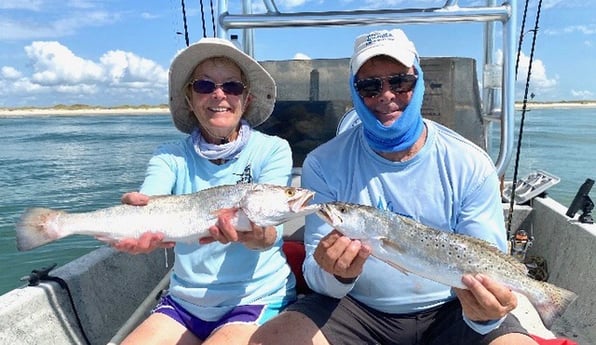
{"x":256,"y":314}
{"x":347,"y":321}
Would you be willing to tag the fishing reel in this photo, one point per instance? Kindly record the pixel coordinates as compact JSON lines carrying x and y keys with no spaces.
{"x":520,"y":243}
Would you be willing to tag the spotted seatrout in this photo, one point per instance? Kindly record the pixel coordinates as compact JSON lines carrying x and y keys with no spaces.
{"x":181,"y":218}
{"x":441,"y":256}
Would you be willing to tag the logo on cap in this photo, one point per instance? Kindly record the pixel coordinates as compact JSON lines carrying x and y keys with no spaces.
{"x":375,"y":37}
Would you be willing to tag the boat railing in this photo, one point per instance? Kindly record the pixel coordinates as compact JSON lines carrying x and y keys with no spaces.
{"x":498,"y":93}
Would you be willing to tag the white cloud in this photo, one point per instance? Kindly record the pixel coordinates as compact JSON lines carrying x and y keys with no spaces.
{"x":83,"y":4}
{"x":31,"y":29}
{"x":582,"y":94}
{"x":147,"y":15}
{"x":584,"y":29}
{"x":540,"y":83}
{"x":125,"y":67}
{"x":301,"y":56}
{"x":61,"y":76}
{"x":55,"y":64}
{"x":33,"y":5}
{"x":291,"y":3}
{"x":587,"y":29}
{"x":538,"y":78}
{"x":8,"y":72}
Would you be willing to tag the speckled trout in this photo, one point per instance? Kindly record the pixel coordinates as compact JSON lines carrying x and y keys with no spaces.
{"x":181,"y":218}
{"x":441,"y":256}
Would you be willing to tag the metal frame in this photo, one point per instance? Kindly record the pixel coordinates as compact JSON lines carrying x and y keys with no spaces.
{"x":450,"y":12}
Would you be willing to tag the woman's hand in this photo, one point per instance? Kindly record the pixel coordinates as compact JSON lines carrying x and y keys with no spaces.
{"x":148,"y":241}
{"x":258,"y":238}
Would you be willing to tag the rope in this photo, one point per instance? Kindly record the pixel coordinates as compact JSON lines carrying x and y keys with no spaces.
{"x":521,"y":37}
{"x":523,"y":116}
{"x":212,"y":18}
{"x":185,"y":26}
{"x":203,"y":18}
{"x":38,"y":276}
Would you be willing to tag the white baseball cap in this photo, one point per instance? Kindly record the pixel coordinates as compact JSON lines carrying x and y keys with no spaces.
{"x":393,"y":43}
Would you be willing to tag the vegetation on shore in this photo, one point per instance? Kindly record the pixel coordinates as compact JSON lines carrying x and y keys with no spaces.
{"x":131,"y":108}
{"x":78,"y":107}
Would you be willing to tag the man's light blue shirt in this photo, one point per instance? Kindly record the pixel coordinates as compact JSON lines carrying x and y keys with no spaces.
{"x":450,"y":184}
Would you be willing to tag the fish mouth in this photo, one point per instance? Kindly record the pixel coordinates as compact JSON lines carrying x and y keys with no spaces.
{"x":326,"y":213}
{"x":299,"y":203}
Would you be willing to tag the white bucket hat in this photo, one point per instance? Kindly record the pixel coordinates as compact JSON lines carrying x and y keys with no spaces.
{"x":393,"y":43}
{"x":260,"y":83}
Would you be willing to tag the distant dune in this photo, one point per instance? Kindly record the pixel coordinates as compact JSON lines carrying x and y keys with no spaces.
{"x":163,"y":109}
{"x":85,"y":110}
{"x":556,"y":105}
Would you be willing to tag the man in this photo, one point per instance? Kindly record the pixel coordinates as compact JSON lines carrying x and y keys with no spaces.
{"x":397,"y":161}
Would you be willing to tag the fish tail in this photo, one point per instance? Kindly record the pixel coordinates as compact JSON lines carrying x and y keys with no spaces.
{"x":36,"y":227}
{"x":554,"y":304}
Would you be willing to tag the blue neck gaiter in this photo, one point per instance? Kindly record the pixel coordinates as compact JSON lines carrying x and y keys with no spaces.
{"x":404,"y":132}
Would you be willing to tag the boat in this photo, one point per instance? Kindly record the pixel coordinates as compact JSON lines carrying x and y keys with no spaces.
{"x":100,"y":297}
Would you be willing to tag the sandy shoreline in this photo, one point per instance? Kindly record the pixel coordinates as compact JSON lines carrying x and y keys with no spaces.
{"x":8,"y":112}
{"x":557,"y":105}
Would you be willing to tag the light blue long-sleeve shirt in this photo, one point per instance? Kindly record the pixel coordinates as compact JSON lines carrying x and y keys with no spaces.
{"x":450,"y":184}
{"x":209,"y":280}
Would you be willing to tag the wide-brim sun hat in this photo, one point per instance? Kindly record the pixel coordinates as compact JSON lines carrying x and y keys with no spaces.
{"x":393,"y":43}
{"x":260,"y":83}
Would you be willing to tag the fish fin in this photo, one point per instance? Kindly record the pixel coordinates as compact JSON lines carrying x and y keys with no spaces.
{"x":237,"y":216}
{"x":393,"y":245}
{"x":394,"y":265}
{"x":390,"y":245}
{"x":556,"y":302}
{"x":226,"y":212}
{"x":36,"y":227}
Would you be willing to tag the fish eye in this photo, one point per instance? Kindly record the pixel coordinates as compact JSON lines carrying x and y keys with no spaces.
{"x":290,"y":191}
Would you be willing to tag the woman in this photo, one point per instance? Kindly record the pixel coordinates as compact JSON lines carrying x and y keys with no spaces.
{"x":223,"y":287}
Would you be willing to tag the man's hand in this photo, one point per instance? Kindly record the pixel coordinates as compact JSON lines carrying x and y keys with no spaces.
{"x":485,"y":299}
{"x":341,"y":256}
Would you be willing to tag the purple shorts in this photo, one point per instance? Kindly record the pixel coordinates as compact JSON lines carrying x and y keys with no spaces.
{"x":255,"y":314}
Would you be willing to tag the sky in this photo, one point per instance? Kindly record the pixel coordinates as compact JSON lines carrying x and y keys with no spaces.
{"x":114,"y":52}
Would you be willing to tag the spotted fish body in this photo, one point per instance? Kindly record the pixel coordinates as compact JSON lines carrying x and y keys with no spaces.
{"x":441,"y":256}
{"x":181,"y":218}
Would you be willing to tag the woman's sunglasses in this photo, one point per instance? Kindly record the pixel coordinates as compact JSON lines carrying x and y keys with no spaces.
{"x":206,"y":86}
{"x":399,"y":83}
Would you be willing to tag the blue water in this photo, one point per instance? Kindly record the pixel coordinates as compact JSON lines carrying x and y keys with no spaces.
{"x":561,"y":142}
{"x":76,"y":163}
{"x":81,"y":163}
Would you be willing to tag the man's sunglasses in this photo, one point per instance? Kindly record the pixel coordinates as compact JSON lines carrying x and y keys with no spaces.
{"x":206,"y":86}
{"x":399,"y":83}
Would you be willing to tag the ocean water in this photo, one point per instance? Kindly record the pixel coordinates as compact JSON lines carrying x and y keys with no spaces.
{"x":561,"y":142}
{"x":82,"y":163}
{"x":76,"y":163}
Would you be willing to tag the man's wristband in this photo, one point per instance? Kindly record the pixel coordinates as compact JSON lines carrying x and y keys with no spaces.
{"x":345,"y":280}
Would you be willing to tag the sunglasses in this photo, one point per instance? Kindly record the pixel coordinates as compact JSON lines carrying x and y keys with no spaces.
{"x":206,"y":86}
{"x":399,"y":83}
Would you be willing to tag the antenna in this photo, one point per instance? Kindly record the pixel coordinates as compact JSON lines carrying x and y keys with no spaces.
{"x":582,"y":201}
